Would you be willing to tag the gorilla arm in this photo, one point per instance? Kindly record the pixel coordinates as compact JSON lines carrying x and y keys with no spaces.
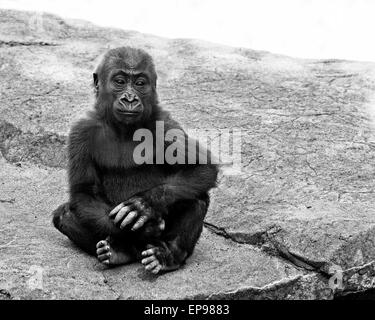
{"x":190,"y":181}
{"x":184,"y":182}
{"x":86,"y":202}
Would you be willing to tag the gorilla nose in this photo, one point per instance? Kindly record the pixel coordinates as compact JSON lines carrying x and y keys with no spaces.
{"x":128,"y":97}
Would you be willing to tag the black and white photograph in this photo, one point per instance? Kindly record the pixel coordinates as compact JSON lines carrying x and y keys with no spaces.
{"x":187,"y":151}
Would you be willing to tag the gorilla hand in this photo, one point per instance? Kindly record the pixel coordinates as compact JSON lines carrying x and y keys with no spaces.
{"x":136,"y":213}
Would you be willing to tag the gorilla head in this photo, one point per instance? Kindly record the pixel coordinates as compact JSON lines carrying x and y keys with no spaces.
{"x":125,"y":85}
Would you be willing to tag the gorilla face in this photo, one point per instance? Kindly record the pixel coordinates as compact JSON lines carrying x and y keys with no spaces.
{"x":130,"y":91}
{"x":126,"y":85}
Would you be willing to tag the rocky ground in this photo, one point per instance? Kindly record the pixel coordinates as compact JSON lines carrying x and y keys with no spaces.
{"x":301,"y":208}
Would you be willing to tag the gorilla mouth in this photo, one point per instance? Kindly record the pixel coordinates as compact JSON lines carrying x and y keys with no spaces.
{"x":127,"y":112}
{"x":129,"y":109}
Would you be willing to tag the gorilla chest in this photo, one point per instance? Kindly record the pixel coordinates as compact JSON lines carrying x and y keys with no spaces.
{"x":113,"y":154}
{"x":121,"y":176}
{"x":121,"y":184}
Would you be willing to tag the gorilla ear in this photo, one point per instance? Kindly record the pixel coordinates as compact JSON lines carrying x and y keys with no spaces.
{"x":155,"y":80}
{"x":96,"y":81}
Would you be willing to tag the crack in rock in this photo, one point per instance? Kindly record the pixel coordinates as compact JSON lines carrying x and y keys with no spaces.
{"x":353,"y":280}
{"x":107,"y":283}
{"x":8,"y":200}
{"x":264,"y":241}
{"x":311,"y":286}
{"x":5,"y":295}
{"x":14,"y":43}
{"x":358,"y":279}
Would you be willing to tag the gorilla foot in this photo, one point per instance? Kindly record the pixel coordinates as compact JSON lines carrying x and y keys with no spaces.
{"x":110,"y":256}
{"x":152,"y":260}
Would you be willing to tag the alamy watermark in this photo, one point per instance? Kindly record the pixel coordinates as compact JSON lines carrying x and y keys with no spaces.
{"x":36,"y":22}
{"x":194,"y":146}
{"x":336,"y":282}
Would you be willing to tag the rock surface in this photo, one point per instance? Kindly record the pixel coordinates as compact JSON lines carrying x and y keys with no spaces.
{"x":302,"y":207}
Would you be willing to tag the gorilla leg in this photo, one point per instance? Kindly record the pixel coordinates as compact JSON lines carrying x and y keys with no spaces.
{"x":67,"y":223}
{"x":182,"y":232}
{"x":110,"y":250}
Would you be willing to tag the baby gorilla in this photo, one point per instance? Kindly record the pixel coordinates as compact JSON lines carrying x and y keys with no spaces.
{"x":121,"y":210}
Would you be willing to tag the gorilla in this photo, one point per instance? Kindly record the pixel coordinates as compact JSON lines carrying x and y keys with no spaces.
{"x":120,"y":210}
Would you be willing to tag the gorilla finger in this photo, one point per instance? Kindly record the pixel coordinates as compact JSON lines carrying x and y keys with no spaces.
{"x":102,"y":250}
{"x":101,"y":244}
{"x":156,"y":269}
{"x":152,"y":265}
{"x":129,"y":218}
{"x":148,"y":252}
{"x":162,"y":225}
{"x":141,"y":221}
{"x":120,"y":215}
{"x":116,"y":209}
{"x":148,"y":260}
{"x":105,"y":256}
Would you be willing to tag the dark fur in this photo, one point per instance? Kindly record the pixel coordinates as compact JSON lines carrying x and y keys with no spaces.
{"x":102,"y":174}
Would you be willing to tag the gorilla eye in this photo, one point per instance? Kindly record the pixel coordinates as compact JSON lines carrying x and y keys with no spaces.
{"x":140,"y":83}
{"x":120,"y":81}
